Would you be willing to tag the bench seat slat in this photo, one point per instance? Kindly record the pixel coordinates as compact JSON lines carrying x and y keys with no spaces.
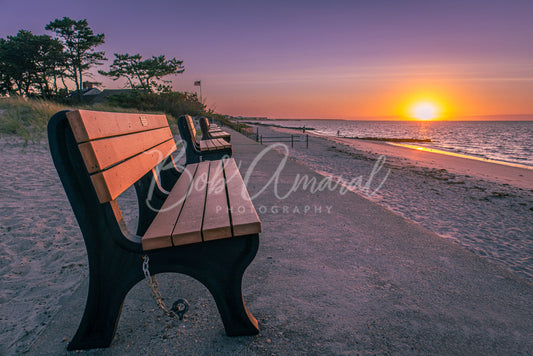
{"x":206,"y":204}
{"x":243,"y":215}
{"x":159,"y":234}
{"x":216,"y":215}
{"x":89,"y":125}
{"x":207,"y":145}
{"x":101,"y":154}
{"x":189,"y":225}
{"x":110,"y":183}
{"x":211,"y":144}
{"x":203,"y":145}
{"x":223,"y":143}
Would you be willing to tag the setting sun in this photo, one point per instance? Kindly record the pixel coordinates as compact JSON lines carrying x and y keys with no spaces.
{"x":424,"y":111}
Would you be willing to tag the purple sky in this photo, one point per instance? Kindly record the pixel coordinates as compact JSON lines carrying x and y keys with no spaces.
{"x":338,"y":59}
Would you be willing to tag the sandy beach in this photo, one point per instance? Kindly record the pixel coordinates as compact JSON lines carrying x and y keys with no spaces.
{"x":484,"y":206}
{"x":346,"y":276}
{"x":43,"y":256}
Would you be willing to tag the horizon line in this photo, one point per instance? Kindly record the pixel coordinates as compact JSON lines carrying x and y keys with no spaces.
{"x":497,"y":117}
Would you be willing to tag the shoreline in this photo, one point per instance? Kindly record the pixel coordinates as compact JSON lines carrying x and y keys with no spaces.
{"x":498,"y":171}
{"x":461,"y":155}
{"x":485,"y":207}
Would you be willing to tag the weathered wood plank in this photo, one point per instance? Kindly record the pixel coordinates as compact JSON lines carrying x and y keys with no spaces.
{"x":203,"y":145}
{"x":226,"y":143}
{"x":159,"y":234}
{"x":110,"y":183}
{"x":222,"y":143}
{"x":216,"y":215}
{"x":89,"y":125}
{"x":244,"y":218}
{"x":210,"y":145}
{"x":188,"y":228}
{"x":101,"y":154}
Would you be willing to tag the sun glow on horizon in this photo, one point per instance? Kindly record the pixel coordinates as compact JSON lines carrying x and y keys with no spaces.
{"x":424,"y":111}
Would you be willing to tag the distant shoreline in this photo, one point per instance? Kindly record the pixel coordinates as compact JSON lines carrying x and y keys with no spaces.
{"x":498,"y":171}
{"x":517,"y":117}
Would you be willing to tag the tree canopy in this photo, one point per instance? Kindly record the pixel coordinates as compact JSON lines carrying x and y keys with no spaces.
{"x":30,"y":64}
{"x":36,"y":65}
{"x":79,"y":41}
{"x":144,"y":74}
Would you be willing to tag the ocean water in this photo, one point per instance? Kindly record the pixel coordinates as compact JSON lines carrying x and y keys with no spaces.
{"x":506,"y":141}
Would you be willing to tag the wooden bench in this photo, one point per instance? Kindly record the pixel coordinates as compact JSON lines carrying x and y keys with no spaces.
{"x":199,"y":150}
{"x":210,"y":132}
{"x":205,"y":226}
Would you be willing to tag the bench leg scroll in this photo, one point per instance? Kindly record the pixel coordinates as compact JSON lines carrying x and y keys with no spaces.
{"x":224,"y":281}
{"x":219,"y":265}
{"x":108,"y":287}
{"x":237,"y":319}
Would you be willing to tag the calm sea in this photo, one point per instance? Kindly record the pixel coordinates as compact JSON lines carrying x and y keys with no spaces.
{"x":507,"y":141}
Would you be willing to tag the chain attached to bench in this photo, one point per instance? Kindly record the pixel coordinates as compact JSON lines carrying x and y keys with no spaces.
{"x":179,"y":307}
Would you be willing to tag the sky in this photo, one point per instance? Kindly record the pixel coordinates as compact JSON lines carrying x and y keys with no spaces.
{"x":319,"y":59}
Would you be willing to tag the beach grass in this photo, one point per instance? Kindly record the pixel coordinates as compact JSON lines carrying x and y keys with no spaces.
{"x":28,"y":118}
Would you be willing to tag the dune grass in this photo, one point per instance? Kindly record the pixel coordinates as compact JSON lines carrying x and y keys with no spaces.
{"x":28,"y":118}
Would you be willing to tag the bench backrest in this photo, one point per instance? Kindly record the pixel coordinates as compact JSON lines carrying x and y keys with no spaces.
{"x":187,"y":129}
{"x":204,"y":126}
{"x":120,"y":148}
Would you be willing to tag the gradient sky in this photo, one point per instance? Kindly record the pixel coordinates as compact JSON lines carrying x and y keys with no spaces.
{"x":320,"y":59}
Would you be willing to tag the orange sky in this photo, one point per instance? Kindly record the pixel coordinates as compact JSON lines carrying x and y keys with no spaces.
{"x":348,"y":95}
{"x":340,"y":59}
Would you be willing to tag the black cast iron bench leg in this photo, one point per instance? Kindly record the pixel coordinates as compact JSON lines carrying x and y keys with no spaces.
{"x":219,"y":265}
{"x":110,"y":280}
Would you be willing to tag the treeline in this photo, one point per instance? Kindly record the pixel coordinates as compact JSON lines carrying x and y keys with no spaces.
{"x":40,"y":65}
{"x":44,"y":65}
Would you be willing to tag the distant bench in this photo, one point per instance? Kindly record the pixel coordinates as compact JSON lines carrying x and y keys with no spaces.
{"x":205,"y":227}
{"x":196,"y":150}
{"x":212,"y":131}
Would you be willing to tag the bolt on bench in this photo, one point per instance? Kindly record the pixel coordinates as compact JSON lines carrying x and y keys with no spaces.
{"x":196,"y":151}
{"x":212,"y":132}
{"x":205,"y":226}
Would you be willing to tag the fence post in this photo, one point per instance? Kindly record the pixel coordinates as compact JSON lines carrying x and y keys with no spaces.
{"x":257,"y":134}
{"x":261,"y":139}
{"x":307,"y":141}
{"x":292,"y":141}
